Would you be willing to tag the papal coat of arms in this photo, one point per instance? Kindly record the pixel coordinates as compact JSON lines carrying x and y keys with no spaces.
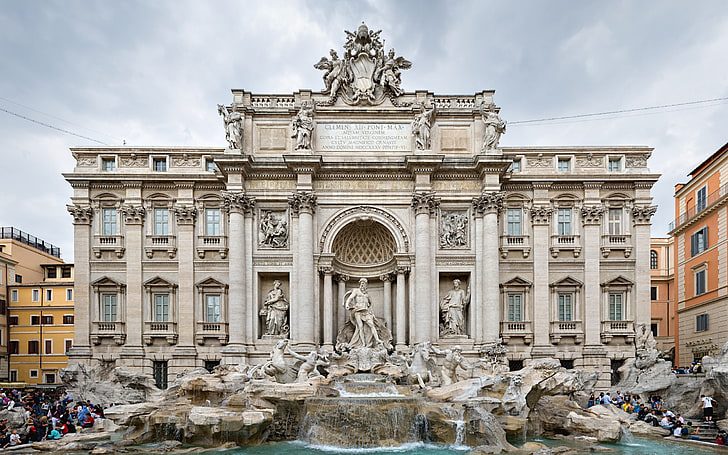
{"x":365,"y":74}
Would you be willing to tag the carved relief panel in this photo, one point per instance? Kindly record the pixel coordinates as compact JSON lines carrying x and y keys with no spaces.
{"x":454,"y":229}
{"x":273,"y":229}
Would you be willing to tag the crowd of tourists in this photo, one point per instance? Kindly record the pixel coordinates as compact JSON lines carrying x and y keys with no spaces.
{"x":655,"y":412}
{"x":48,"y":414}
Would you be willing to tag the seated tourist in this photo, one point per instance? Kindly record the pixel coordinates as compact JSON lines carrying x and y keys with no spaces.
{"x":677,"y":432}
{"x":54,"y":434}
{"x":687,"y":430}
{"x":720,"y":439}
{"x":590,"y":402}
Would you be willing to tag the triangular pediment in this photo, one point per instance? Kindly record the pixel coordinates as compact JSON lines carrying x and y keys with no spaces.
{"x":618,"y":281}
{"x":106,"y":281}
{"x":567,"y":281}
{"x":211,"y":282}
{"x":517,"y":281}
{"x":158,"y":281}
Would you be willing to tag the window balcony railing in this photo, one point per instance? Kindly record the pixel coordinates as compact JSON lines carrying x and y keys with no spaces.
{"x":108,"y":329}
{"x":621,"y":242}
{"x":610,"y":329}
{"x":561,"y":329}
{"x":516,"y":329}
{"x":212,"y":243}
{"x":212,"y":330}
{"x":166,"y":243}
{"x":156,"y":329}
{"x":565,"y":243}
{"x":712,"y":199}
{"x":515,"y":242}
{"x":113,"y":243}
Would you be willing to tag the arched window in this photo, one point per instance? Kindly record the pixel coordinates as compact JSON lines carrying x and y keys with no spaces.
{"x":653,"y":259}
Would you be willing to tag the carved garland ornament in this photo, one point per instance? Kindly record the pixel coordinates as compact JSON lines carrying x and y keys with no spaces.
{"x":592,"y":214}
{"x":491,"y":202}
{"x":541,"y":214}
{"x":364,"y":210}
{"x":185,"y":214}
{"x":133,"y":214}
{"x":636,"y":161}
{"x":81,"y":214}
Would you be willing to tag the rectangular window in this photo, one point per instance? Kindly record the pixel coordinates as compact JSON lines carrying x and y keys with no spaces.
{"x":614,"y":165}
{"x":18,"y":278}
{"x":700,"y":282}
{"x":49,"y":346}
{"x":616,"y":310}
{"x":563,"y":164}
{"x":69,"y":295}
{"x":47,"y":320}
{"x":35,"y":294}
{"x":65,"y":272}
{"x":212,"y":308}
{"x":35,"y":320}
{"x":699,"y":241}
{"x":159,"y":372}
{"x":51,"y":272}
{"x":161,"y":307}
{"x":210,"y":165}
{"x":33,"y":373}
{"x":49,"y":295}
{"x":564,"y":222}
{"x":161,"y":221}
{"x":514,"y":219}
{"x":701,"y":199}
{"x":515,"y":307}
{"x":566,"y":307}
{"x":653,"y":292}
{"x":13,"y":320}
{"x":654,"y":328}
{"x":108,"y":164}
{"x":49,"y":378}
{"x":13,"y":375}
{"x":212,"y":222}
{"x":615,"y":221}
{"x":108,"y":307}
{"x":14,"y":347}
{"x":108,"y":221}
{"x":159,"y":164}
{"x":14,"y":295}
{"x":701,"y":323}
{"x":68,"y":345}
{"x":68,"y":319}
{"x":516,"y":165}
{"x":33,"y":347}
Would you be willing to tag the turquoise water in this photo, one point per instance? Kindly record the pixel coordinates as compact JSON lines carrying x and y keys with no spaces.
{"x":637,"y":447}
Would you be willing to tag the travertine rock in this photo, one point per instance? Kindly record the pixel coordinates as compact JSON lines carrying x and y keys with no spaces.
{"x":641,"y":428}
{"x":108,"y":385}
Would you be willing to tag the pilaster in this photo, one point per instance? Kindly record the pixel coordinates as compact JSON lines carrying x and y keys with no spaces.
{"x":133,"y":217}
{"x":82,"y":217}
{"x":425,"y":205}
{"x":541,"y":220}
{"x":591,"y":218}
{"x":185,"y":216}
{"x":642,"y":220}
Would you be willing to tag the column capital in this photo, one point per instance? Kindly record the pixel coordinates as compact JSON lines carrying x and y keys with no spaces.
{"x":237,"y":201}
{"x":489,"y":202}
{"x":133,"y":214}
{"x":341,"y":278}
{"x":326,"y":269}
{"x":302,"y":202}
{"x":185,"y":214}
{"x":642,"y":214}
{"x":385,"y":277}
{"x":592,"y":214}
{"x":402,"y":269}
{"x":541,"y":214}
{"x":425,"y":202}
{"x":82,"y":214}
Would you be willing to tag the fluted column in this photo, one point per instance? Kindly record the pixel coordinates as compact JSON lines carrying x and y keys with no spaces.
{"x":340,"y":311}
{"x":424,"y":204}
{"x":303,"y":204}
{"x":236,"y":203}
{"x":185,"y":217}
{"x":82,"y":216}
{"x":591,"y":218}
{"x":133,"y":216}
{"x":401,"y":310}
{"x":478,"y":283}
{"x":250,"y":307}
{"x":328,"y":321}
{"x":541,"y":219}
{"x":387,"y":300}
{"x":490,"y":204}
{"x":642,"y":220}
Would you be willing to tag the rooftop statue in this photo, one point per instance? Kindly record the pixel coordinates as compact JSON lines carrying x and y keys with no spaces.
{"x":365,"y":74}
{"x":494,"y":128}
{"x":233,"y":122}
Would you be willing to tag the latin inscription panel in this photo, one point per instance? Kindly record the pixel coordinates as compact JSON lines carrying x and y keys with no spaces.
{"x":363,"y":137}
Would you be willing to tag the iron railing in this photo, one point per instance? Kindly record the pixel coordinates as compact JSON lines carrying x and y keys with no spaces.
{"x":693,"y":211}
{"x":31,"y":240}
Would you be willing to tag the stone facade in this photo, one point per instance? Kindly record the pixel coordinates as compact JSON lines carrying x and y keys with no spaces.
{"x":176,"y":248}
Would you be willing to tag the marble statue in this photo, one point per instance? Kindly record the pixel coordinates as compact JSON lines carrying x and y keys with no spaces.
{"x":454,"y":230}
{"x":421,"y":366}
{"x":276,"y":365}
{"x":421,"y":128}
{"x":494,"y":127}
{"x":389,"y":74}
{"x":363,"y":329}
{"x":275,"y":311}
{"x":452,"y":308}
{"x":309,"y":368}
{"x":233,"y":122}
{"x":453,"y":359}
{"x":494,"y":358}
{"x":336,"y":74}
{"x":274,"y":231}
{"x":302,"y":125}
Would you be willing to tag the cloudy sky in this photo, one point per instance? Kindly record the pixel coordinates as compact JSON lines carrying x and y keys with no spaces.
{"x":151,"y":73}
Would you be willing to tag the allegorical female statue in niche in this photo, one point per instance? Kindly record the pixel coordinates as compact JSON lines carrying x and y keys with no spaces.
{"x":275,"y":311}
{"x":452,"y":308}
{"x":363,"y":329}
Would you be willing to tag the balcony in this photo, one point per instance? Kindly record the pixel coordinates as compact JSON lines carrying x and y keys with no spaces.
{"x":565,"y":243}
{"x":513,"y":329}
{"x":113,"y":243}
{"x":691,"y":213}
{"x":561,"y":329}
{"x":212,"y":243}
{"x":166,"y":330}
{"x":515,"y":242}
{"x":611,"y":329}
{"x":105,"y":329}
{"x":617,"y":242}
{"x":218,"y":330}
{"x":166,"y":243}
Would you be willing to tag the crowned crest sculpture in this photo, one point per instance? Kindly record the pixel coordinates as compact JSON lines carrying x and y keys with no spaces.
{"x":365,"y":74}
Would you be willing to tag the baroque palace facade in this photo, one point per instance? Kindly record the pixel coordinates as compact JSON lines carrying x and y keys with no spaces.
{"x":188,"y":257}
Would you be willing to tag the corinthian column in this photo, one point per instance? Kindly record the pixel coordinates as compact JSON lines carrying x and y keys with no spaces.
{"x":541,"y":219}
{"x":489,"y":204}
{"x":185,"y":217}
{"x":591,"y":218}
{"x":236,"y":204}
{"x":133,"y":235}
{"x":642,"y":220}
{"x":424,"y":204}
{"x":303,"y":205}
{"x":82,"y":216}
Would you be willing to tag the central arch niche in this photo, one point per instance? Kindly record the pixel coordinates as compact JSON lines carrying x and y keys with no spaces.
{"x":364,"y":244}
